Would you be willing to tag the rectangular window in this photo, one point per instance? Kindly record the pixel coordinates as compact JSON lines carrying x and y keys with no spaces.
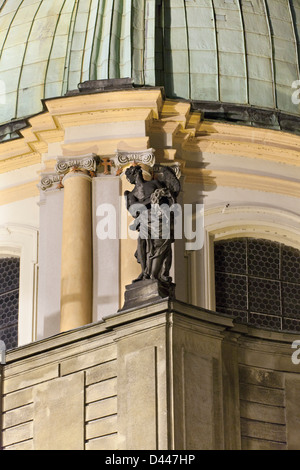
{"x":258,"y":282}
{"x":9,"y":300}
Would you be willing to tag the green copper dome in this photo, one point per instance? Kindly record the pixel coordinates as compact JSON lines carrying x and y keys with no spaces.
{"x":243,"y":52}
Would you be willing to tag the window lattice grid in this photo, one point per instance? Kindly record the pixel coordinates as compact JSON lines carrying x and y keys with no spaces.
{"x":9,"y":300}
{"x":258,"y":282}
{"x":9,"y":274}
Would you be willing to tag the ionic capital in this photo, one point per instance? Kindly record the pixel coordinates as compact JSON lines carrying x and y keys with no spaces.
{"x":86,"y":164}
{"x":122,"y":159}
{"x":49,"y":180}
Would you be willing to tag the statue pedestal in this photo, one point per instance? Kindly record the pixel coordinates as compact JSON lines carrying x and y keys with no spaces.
{"x":146,"y":292}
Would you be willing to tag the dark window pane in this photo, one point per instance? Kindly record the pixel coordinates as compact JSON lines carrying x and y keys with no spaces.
{"x":9,"y":274}
{"x":10,"y":336}
{"x":230,"y":256}
{"x":263,"y":259}
{"x":265,"y":321}
{"x":231,"y":291}
{"x":9,"y":301}
{"x":264,"y":296}
{"x":268,"y":293}
{"x":290,"y":264}
{"x":290,"y":324}
{"x":9,"y":304}
{"x":239,"y":315}
{"x":291,"y":300}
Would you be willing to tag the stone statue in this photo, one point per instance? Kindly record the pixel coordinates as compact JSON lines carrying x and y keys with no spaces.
{"x":149,"y":203}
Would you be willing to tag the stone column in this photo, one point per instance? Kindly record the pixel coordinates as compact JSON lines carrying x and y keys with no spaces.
{"x":76,"y":263}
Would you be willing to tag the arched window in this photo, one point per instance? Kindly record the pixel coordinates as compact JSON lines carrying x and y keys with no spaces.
{"x":9,"y":300}
{"x":258,"y":282}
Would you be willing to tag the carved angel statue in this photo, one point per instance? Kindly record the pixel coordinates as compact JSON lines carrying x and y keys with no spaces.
{"x":150,"y":203}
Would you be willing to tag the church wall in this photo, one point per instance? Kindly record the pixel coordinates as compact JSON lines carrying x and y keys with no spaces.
{"x":262,"y":400}
{"x":106,"y":264}
{"x":208,"y":384}
{"x":197,"y":375}
{"x":269,"y":381}
{"x":50,"y":242}
{"x":165,"y":376}
{"x":52,"y":392}
{"x":231,"y":169}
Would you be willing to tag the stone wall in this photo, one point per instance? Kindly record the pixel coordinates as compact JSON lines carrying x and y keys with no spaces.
{"x":165,"y":376}
{"x":63,"y":396}
{"x":269,"y":384}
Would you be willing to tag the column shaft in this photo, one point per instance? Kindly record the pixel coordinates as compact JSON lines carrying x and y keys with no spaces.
{"x":76,"y":268}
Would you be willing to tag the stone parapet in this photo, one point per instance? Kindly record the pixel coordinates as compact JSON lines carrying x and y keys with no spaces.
{"x":164,"y":376}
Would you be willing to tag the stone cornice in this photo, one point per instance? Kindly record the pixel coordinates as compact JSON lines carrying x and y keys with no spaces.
{"x":216,"y":137}
{"x":64,"y":112}
{"x":175,"y":309}
{"x":176,"y":133}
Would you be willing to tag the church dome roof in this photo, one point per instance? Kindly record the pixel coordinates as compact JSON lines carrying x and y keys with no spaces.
{"x":242,"y":52}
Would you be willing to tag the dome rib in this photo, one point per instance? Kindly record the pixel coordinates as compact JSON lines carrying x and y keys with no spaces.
{"x":46,"y":83}
{"x":295,"y":34}
{"x":78,"y":42}
{"x":245,"y":49}
{"x":10,"y":24}
{"x":69,"y":46}
{"x":114,"y":43}
{"x":188,"y":49}
{"x":95,"y":42}
{"x":23,"y":61}
{"x":267,"y":15}
{"x":217,"y":51}
{"x":87,"y":45}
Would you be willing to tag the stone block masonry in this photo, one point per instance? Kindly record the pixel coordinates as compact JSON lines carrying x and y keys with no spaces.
{"x":196,"y":378}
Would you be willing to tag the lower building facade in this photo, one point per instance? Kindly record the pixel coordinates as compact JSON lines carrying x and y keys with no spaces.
{"x":166,"y":376}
